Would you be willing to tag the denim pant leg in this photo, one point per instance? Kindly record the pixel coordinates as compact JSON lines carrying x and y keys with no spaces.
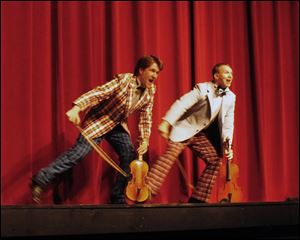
{"x":65,"y":161}
{"x":121,"y":142}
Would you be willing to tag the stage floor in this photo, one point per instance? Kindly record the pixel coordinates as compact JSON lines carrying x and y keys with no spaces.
{"x":141,"y":220}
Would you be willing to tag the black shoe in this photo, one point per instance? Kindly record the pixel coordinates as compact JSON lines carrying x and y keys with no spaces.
{"x":194,"y":200}
{"x":118,"y":201}
{"x":117,"y":198}
{"x":36,"y":191}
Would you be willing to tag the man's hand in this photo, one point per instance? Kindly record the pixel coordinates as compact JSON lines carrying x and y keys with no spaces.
{"x":73,"y":115}
{"x":143,"y":147}
{"x":227,"y":149}
{"x":229,"y":154}
{"x":164,"y":129}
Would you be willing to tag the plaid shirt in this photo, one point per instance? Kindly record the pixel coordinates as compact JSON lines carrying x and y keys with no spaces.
{"x":110,"y":104}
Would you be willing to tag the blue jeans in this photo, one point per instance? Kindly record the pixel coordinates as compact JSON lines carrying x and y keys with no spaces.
{"x":118,"y":138}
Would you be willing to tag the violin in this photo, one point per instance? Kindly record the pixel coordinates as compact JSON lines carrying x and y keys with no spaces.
{"x":229,"y":190}
{"x":136,"y":189}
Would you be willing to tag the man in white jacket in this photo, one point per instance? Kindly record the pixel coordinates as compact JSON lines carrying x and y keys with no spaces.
{"x":201,"y":119}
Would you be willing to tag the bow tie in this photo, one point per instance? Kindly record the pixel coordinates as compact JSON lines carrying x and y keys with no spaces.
{"x":221,"y":92}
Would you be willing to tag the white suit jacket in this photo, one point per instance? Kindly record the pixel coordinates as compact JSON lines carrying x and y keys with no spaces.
{"x":192,"y":113}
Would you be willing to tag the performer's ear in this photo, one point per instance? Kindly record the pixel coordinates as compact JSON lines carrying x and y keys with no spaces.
{"x":216,"y":76}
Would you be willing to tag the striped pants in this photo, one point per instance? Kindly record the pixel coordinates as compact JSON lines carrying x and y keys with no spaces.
{"x":203,"y":149}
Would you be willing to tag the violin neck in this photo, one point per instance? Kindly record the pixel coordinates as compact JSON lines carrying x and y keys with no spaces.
{"x":228,"y":176}
{"x":227,"y":147}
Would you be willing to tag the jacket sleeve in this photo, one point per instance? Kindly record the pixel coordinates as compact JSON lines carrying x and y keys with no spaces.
{"x":228,"y":124}
{"x":183,"y":104}
{"x":100,"y":93}
{"x":145,"y":122}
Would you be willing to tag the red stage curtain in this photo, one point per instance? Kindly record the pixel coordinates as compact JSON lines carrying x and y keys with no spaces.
{"x":52,"y":52}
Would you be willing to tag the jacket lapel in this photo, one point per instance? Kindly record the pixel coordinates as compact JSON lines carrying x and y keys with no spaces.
{"x":129,"y":93}
{"x":210,"y":94}
{"x":144,"y":98}
{"x":226,"y":101}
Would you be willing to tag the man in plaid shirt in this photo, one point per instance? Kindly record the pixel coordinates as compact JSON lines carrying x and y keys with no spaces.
{"x":108,"y":107}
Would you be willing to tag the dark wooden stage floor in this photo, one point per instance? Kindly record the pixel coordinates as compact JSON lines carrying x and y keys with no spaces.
{"x":271,"y":220}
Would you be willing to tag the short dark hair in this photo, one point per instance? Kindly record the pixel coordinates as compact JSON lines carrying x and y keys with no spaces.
{"x":147,"y":61}
{"x":216,"y":68}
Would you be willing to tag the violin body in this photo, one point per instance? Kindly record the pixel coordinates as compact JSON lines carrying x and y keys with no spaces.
{"x":136,"y":189}
{"x":229,"y":191}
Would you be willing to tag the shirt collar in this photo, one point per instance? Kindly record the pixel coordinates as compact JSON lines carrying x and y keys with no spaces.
{"x":138,"y":84}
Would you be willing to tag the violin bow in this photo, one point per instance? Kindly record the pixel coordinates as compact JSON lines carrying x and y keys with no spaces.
{"x":102,"y":153}
{"x":183,"y":172}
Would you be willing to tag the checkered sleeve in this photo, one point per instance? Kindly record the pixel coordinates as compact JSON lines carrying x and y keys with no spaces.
{"x":145,"y":123}
{"x":101,"y":93}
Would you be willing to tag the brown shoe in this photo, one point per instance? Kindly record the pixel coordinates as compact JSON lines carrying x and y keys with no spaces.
{"x":36,"y":192}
